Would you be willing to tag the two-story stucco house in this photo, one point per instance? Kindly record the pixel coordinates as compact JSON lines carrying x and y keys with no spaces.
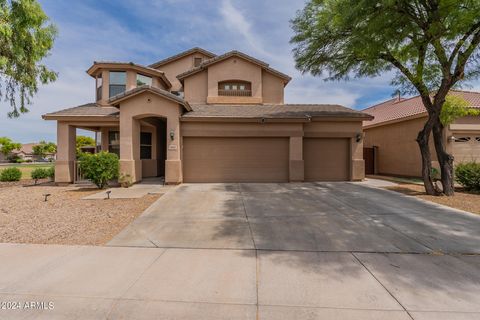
{"x":199,"y":117}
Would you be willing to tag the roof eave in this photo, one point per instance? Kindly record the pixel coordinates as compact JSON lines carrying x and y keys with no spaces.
{"x":115,"y":100}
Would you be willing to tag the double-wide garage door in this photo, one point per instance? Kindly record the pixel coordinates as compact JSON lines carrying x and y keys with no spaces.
{"x":235,"y":159}
{"x":207,"y":159}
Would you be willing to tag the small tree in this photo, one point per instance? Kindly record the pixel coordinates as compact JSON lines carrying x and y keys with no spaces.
{"x":84,"y":141}
{"x":43,"y":148}
{"x":456,"y":107}
{"x":7,"y":146}
{"x":26,"y":38}
{"x":99,"y":168}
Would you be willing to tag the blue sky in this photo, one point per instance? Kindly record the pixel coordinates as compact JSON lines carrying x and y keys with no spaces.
{"x":145,"y":31}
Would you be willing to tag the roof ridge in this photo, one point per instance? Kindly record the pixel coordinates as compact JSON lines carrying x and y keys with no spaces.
{"x":225,"y":55}
{"x":385,"y":101}
{"x":180,"y":55}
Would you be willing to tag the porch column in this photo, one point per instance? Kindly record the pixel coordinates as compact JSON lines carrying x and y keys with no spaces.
{"x":130,"y":162}
{"x":296,"y":159}
{"x":173,"y":164}
{"x":64,"y":165}
{"x":104,"y":139}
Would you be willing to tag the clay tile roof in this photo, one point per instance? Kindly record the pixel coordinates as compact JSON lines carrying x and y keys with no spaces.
{"x":129,"y":93}
{"x":227,"y":55}
{"x":281,"y":111}
{"x":85,"y":110}
{"x":182,"y":54}
{"x":394,"y":109}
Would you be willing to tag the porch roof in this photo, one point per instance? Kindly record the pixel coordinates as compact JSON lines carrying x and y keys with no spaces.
{"x":282,"y":111}
{"x":135,"y":91}
{"x":93,"y":110}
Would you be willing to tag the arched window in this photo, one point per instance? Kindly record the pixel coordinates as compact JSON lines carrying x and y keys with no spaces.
{"x":235,"y":88}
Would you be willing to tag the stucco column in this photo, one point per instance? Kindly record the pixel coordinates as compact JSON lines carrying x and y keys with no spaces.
{"x":131,"y":80}
{"x":130,"y":148}
{"x":105,"y":87}
{"x":173,"y":164}
{"x":64,"y":165}
{"x":358,"y":164}
{"x":104,"y":139}
{"x":296,"y":159}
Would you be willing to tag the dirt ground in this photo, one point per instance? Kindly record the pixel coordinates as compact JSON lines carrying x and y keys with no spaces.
{"x":462,"y":200}
{"x":65,"y":218}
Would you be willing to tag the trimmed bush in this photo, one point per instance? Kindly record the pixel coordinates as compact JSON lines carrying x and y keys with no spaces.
{"x":51,"y":173}
{"x":468,"y":175}
{"x":99,"y":168}
{"x":10,"y":174}
{"x":39,"y":173}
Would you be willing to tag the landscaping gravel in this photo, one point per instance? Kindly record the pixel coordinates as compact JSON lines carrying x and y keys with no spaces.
{"x":65,"y":218}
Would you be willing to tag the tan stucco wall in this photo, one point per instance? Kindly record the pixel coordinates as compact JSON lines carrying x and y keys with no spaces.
{"x":272,"y":88}
{"x":196,"y":88}
{"x":398,"y":152}
{"x":234,"y":68}
{"x":174,"y":68}
{"x":132,"y":111}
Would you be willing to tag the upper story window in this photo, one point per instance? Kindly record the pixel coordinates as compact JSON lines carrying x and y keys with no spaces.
{"x":143,"y":80}
{"x":99,"y":85}
{"x":118,"y":82}
{"x":235,"y":88}
{"x":197,"y":61}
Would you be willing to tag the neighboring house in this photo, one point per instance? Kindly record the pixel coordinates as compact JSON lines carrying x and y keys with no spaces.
{"x":199,"y":117}
{"x":26,"y":153}
{"x":394,"y":130}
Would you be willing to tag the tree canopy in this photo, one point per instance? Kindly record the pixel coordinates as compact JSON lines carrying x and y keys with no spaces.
{"x":84,"y":141}
{"x":44,"y":148}
{"x":431,"y":45}
{"x":26,"y":38}
{"x":456,"y":107}
{"x":7,"y":146}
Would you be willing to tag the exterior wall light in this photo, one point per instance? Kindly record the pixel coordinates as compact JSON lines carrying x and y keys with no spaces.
{"x":172,"y":134}
{"x":358,"y":137}
{"x":451,"y":139}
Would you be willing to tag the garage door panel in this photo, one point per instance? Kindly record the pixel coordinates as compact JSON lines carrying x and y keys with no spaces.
{"x":207,"y":159}
{"x":326,"y":159}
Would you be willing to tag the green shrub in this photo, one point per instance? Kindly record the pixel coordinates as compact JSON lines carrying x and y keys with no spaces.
{"x":39,"y":173}
{"x":51,"y":173}
{"x":468,"y":175}
{"x":10,"y":174}
{"x":99,"y":168}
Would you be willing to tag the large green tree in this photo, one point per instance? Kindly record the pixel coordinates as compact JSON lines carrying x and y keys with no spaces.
{"x":84,"y":141}
{"x":7,"y":146}
{"x":26,"y":38}
{"x":431,"y":44}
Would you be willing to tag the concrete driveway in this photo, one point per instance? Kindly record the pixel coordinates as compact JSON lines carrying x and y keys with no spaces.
{"x":262,"y":251}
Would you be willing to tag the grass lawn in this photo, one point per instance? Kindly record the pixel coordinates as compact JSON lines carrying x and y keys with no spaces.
{"x":27,"y":168}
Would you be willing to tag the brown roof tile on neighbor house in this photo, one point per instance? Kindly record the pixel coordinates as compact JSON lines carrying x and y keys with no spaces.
{"x":182,"y":54}
{"x":229,"y":54}
{"x":395,"y":110}
{"x":285,"y":111}
{"x":85,"y":110}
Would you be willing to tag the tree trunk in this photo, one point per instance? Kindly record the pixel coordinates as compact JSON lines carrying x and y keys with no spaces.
{"x":445,"y":159}
{"x":422,"y":140}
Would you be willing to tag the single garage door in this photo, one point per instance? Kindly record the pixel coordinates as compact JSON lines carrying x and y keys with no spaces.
{"x":207,"y":159}
{"x":326,"y":159}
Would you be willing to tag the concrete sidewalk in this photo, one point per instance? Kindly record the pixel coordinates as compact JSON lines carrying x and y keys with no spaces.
{"x":143,"y":283}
